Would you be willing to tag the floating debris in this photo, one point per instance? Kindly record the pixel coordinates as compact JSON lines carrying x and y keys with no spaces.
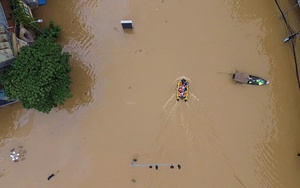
{"x":18,"y":154}
{"x":133,"y":164}
{"x":127,"y":24}
{"x":14,"y":156}
{"x":51,"y":176}
{"x":179,"y":166}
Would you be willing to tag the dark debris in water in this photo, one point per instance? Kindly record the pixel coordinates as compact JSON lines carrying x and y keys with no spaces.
{"x":51,"y":176}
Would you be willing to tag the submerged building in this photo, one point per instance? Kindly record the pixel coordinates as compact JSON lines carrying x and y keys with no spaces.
{"x":13,"y":36}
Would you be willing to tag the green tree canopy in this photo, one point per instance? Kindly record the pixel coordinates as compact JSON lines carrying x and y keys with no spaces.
{"x":40,"y":76}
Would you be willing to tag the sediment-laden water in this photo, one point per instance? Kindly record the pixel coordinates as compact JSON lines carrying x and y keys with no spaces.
{"x":124,"y":105}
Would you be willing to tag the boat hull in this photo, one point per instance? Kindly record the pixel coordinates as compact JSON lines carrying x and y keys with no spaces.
{"x":246,"y":78}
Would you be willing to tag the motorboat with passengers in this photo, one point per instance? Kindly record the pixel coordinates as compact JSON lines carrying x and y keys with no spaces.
{"x":182,"y":90}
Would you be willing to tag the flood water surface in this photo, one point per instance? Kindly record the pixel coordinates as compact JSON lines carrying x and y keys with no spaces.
{"x":124,"y":105}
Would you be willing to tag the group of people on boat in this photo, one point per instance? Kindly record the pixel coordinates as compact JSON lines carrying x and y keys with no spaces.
{"x":182,"y":89}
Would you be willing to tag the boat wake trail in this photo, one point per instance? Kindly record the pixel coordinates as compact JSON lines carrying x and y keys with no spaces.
{"x":186,"y":133}
{"x":180,"y":116}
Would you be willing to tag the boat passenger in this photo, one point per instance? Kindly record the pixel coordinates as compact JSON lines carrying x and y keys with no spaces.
{"x":250,"y":78}
{"x":183,"y":88}
{"x":182,"y":95}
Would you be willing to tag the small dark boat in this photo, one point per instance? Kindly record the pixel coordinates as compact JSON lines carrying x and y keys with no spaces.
{"x":245,"y":78}
{"x":182,"y":90}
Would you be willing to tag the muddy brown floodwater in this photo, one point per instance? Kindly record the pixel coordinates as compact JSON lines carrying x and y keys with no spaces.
{"x":124,"y":107}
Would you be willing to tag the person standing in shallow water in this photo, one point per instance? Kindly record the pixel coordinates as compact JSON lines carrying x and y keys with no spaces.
{"x":298,"y":154}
